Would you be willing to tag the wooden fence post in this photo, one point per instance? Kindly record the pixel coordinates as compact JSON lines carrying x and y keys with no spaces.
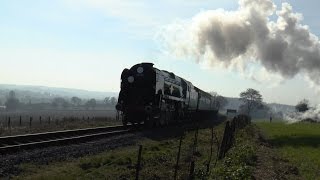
{"x":191,"y":173}
{"x":20,"y":121}
{"x":178,"y":158}
{"x":9,"y":122}
{"x":223,"y":145}
{"x":30,"y":123}
{"x":138,"y":162}
{"x":40,"y":119}
{"x":211,"y":150}
{"x":49,"y":120}
{"x":195,"y":143}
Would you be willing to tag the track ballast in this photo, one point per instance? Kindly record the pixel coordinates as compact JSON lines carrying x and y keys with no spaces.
{"x":11,"y":144}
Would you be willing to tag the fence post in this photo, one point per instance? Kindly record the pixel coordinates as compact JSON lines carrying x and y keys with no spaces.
{"x":191,"y":173}
{"x":9,"y":122}
{"x":211,"y":150}
{"x":20,"y":119}
{"x":223,"y":145}
{"x":138,"y":162}
{"x":178,"y":158}
{"x":40,"y":119}
{"x":195,"y":143}
{"x":30,"y":122}
{"x":49,"y":120}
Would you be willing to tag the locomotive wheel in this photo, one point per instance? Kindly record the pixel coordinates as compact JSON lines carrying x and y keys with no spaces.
{"x":157,"y":122}
{"x":149,"y":123}
{"x":124,"y":123}
{"x":167,"y":118}
{"x":161,"y":121}
{"x":163,"y":118}
{"x":124,"y":120}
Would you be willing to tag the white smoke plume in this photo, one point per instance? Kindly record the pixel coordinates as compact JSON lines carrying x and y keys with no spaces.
{"x":312,"y":114}
{"x":234,"y":39}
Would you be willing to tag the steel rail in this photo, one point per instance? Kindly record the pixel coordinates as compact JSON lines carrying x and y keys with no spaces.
{"x":10,"y":144}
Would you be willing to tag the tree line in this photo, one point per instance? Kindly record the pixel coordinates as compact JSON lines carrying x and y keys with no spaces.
{"x":13,"y":103}
{"x":251,"y":101}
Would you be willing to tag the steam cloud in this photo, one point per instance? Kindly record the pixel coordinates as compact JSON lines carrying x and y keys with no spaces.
{"x":313,"y":114}
{"x":236,"y":38}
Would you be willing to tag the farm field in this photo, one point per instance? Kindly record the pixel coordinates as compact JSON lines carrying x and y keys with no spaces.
{"x":53,"y":120}
{"x":299,"y":143}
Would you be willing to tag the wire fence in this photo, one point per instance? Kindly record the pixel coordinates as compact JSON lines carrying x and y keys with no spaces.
{"x":238,"y":122}
{"x":12,"y":123}
{"x":221,"y":147}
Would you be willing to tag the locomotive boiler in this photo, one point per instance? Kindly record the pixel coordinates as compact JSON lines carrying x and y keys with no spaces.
{"x":158,"y":97}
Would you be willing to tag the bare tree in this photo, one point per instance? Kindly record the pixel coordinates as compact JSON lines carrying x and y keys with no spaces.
{"x":65,"y":104}
{"x":106,"y":100}
{"x":59,"y":102}
{"x":302,"y":106}
{"x":91,"y":103}
{"x":220,"y":101}
{"x":113,"y":100}
{"x":76,"y":101}
{"x":252,"y":99}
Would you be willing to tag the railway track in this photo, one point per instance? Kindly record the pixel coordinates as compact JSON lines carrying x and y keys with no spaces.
{"x":11,"y":144}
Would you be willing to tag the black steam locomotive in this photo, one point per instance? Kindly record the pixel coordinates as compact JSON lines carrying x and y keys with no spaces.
{"x":157,"y":97}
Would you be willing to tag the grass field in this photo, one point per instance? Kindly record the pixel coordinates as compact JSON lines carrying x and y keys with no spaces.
{"x":299,"y":143}
{"x":158,"y":160}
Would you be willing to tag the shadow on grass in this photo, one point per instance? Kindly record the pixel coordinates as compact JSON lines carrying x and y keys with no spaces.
{"x":297,"y":141}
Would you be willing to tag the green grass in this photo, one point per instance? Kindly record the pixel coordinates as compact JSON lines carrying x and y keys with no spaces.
{"x":158,"y":160}
{"x":241,"y":158}
{"x":299,"y":143}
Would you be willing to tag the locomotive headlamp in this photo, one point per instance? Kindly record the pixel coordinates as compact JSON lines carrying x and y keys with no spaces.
{"x":130,"y":79}
{"x":140,"y":70}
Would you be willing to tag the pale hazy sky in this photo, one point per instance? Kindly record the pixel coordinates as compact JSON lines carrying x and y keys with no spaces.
{"x":86,"y":44}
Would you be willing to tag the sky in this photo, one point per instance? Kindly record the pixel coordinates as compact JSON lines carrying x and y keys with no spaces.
{"x":85,"y":44}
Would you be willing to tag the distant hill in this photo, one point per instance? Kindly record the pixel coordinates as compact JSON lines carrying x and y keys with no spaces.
{"x":45,"y":94}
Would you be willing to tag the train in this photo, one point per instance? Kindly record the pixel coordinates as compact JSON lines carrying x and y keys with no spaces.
{"x":157,"y":97}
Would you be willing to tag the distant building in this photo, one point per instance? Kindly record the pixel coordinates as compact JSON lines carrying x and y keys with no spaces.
{"x":231,"y":113}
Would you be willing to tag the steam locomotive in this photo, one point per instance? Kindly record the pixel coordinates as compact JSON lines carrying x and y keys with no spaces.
{"x":158,"y":97}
